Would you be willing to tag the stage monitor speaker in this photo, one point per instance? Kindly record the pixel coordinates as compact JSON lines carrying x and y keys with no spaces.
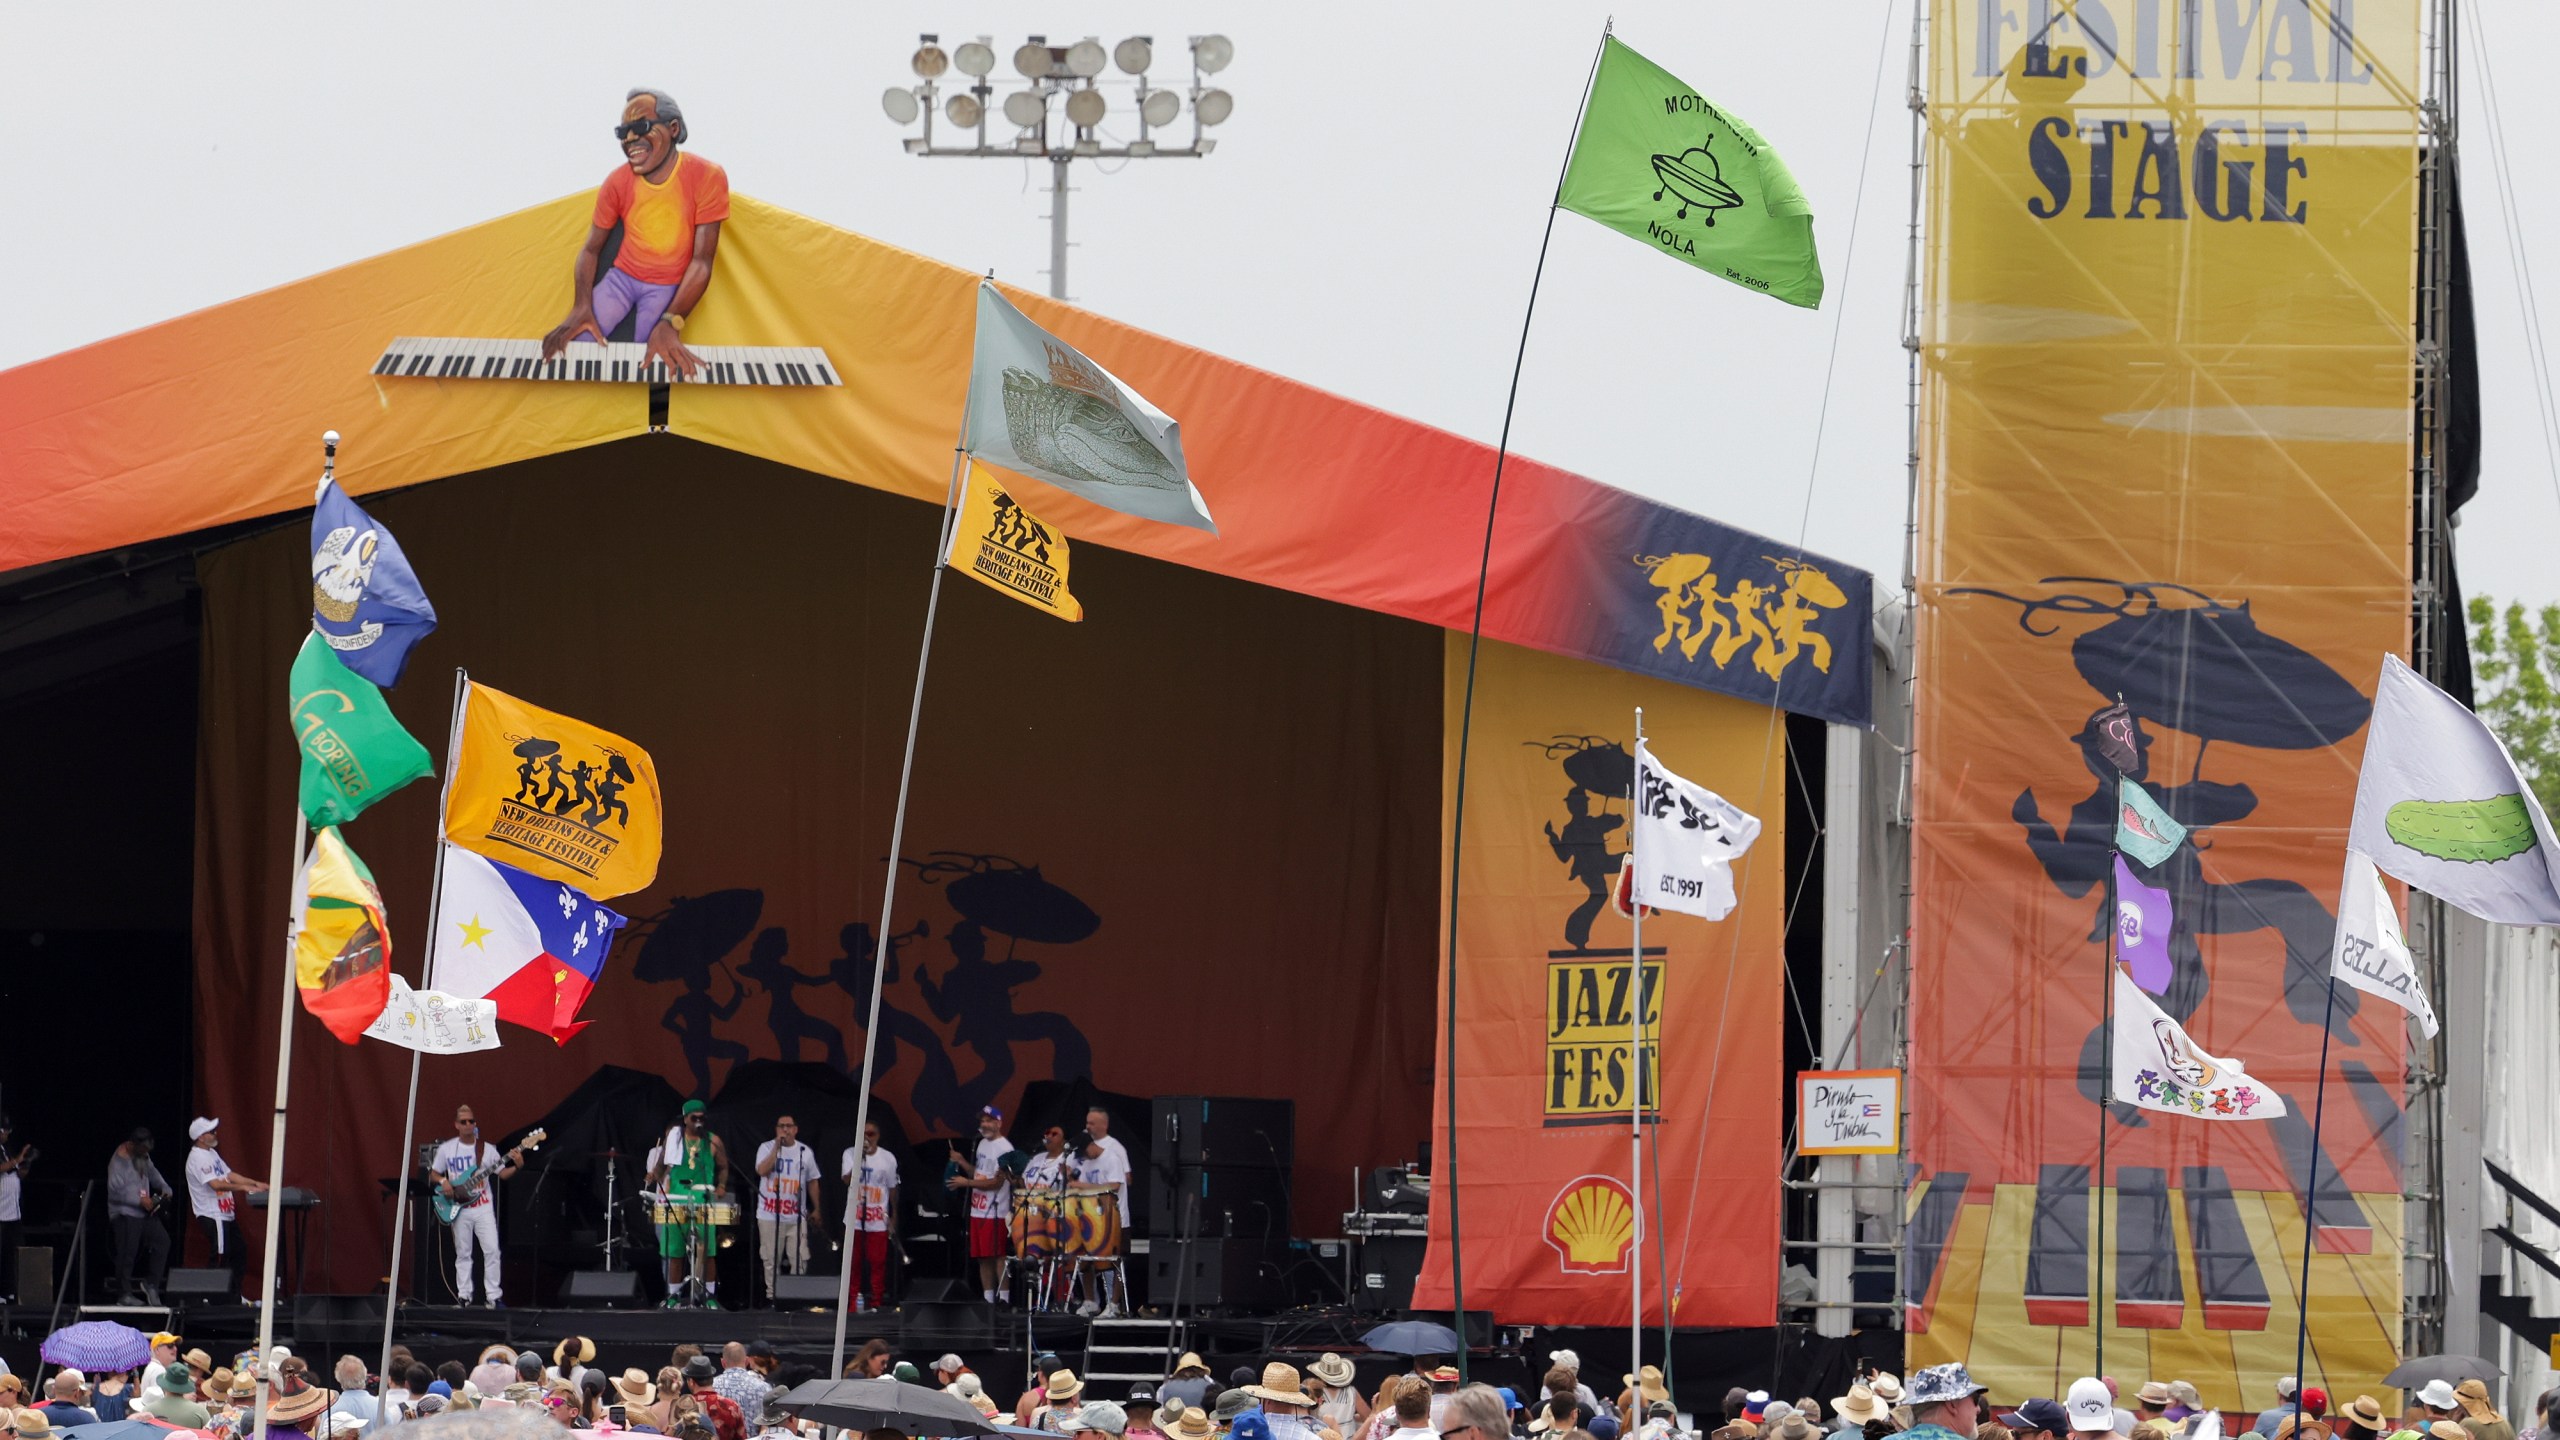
{"x":1220,"y":1202}
{"x":1214,"y":1274}
{"x":1223,"y":1130}
{"x":606,"y":1288}
{"x":1382,"y":1276}
{"x":806,"y":1290}
{"x":336,"y":1322}
{"x":206,"y":1284}
{"x":936,"y":1289}
{"x":35,"y":1275}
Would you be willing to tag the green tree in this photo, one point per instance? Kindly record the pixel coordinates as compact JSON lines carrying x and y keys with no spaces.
{"x":2515,"y":659}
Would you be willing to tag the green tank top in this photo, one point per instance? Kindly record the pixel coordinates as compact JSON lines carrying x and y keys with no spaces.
{"x":693,"y":1168}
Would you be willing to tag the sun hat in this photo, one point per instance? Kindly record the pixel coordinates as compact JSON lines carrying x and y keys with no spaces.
{"x":1280,"y":1385}
{"x":576,"y":1350}
{"x":1333,"y":1370}
{"x":2436,"y":1395}
{"x":1775,"y":1413}
{"x":1101,"y":1416}
{"x":1795,"y":1427}
{"x":2154,"y":1394}
{"x":2364,"y":1410}
{"x":33,"y":1426}
{"x":1860,"y":1405}
{"x":1063,"y":1385}
{"x":1232,"y":1404}
{"x":1444,"y":1374}
{"x":1192,"y":1424}
{"x":2040,"y":1413}
{"x":1888,"y":1387}
{"x":635,"y":1387}
{"x":2441,"y":1430}
{"x":1189,"y":1362}
{"x":1649,"y":1381}
{"x":2304,"y":1424}
{"x":2184,"y":1392}
{"x":298,"y":1403}
{"x":2475,"y":1400}
{"x":1940,"y":1383}
{"x":244,"y":1386}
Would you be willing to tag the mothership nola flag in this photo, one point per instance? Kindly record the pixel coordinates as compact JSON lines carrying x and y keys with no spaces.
{"x":341,"y":944}
{"x":1039,"y":407}
{"x":1685,"y":840}
{"x":558,"y":797}
{"x":365,"y":600}
{"x":534,"y":946}
{"x":2441,"y":806}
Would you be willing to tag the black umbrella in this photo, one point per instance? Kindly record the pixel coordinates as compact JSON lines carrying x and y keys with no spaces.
{"x":1593,"y":762}
{"x":1413,"y":1337}
{"x":691,"y":935}
{"x":2417,"y":1370}
{"x":884,"y":1404}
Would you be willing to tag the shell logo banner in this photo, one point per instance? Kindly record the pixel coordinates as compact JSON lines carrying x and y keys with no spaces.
{"x":1549,"y":1045}
{"x":2168,"y":351}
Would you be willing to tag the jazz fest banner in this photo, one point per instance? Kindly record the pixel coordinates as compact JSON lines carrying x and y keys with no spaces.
{"x":1545,"y":974}
{"x":2168,"y":346}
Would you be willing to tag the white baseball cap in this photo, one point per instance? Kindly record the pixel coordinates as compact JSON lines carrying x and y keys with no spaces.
{"x":2092,"y":1406}
{"x":197,"y":1127}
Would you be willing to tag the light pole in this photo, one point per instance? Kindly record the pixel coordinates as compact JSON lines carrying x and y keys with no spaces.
{"x":1065,"y":89}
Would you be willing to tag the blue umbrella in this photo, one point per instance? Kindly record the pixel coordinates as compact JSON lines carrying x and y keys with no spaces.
{"x":1413,"y":1337}
{"x":99,"y":1345}
{"x":117,"y":1430}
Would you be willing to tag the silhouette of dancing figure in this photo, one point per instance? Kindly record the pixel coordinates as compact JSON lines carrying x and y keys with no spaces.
{"x":976,"y":998}
{"x":1584,"y":849}
{"x":692,"y":1017}
{"x":937,"y":1090}
{"x":790,"y":1023}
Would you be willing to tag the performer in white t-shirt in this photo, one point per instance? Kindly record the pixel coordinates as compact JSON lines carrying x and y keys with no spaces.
{"x":787,"y":1200}
{"x":873,"y":1203}
{"x":1103,"y":1161}
{"x":464,"y":1166}
{"x":213,"y":1190}
{"x":991,"y":1203}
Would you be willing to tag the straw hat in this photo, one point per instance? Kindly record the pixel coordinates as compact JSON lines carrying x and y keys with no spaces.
{"x":298,"y":1404}
{"x":1280,"y":1385}
{"x":244,"y":1386}
{"x":1332,"y":1370}
{"x":1649,"y":1381}
{"x":1192,"y":1424}
{"x":2363,"y":1410}
{"x":1795,"y":1427}
{"x":1888,"y":1387}
{"x":635,"y":1387}
{"x":1189,"y":1362}
{"x":33,"y":1426}
{"x":2475,"y":1400}
{"x":1063,"y":1385}
{"x":574,"y":1351}
{"x":2448,"y":1430}
{"x":1861,"y":1405}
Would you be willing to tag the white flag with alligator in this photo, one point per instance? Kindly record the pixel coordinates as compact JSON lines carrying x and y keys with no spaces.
{"x":2159,"y":1068}
{"x":2440,"y":805}
{"x":1686,"y":838}
{"x":1039,"y":407}
{"x":2370,"y":953}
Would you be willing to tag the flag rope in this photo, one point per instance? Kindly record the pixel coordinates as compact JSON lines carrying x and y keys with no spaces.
{"x":2311,"y":1193}
{"x":1466,"y":722}
{"x":275,"y":1144}
{"x":2102,"y":1290}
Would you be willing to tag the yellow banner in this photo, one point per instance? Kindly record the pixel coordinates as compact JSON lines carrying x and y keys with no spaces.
{"x":1003,"y":547}
{"x":554,"y":797}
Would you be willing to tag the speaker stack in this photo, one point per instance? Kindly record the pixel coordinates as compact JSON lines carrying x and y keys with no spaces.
{"x":1218,"y":1187}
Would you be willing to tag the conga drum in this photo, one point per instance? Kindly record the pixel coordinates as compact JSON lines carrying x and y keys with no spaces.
{"x":1035,"y":1224}
{"x":1090,"y":1224}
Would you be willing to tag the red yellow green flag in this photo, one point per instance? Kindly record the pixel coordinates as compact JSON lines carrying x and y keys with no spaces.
{"x":341,"y":943}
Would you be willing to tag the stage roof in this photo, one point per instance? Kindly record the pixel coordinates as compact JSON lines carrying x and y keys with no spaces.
{"x":214,"y":418}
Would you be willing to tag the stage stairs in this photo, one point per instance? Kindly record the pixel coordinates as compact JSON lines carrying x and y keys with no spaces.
{"x":1131,"y":1350}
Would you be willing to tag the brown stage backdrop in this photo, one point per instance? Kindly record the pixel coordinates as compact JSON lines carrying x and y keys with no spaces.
{"x":1242,"y":783}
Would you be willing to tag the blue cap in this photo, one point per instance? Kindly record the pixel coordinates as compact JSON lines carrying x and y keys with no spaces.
{"x":991,"y":1112}
{"x":442,"y":1388}
{"x":1602,"y":1427}
{"x":1251,"y":1425}
{"x":1510,"y":1401}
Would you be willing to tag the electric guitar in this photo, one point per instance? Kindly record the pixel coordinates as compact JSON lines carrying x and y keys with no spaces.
{"x":468,"y":1185}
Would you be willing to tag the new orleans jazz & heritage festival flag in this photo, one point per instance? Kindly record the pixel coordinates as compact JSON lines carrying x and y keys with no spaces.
{"x":2370,"y":953}
{"x":1684,"y":842}
{"x":1038,"y":407}
{"x":2441,"y":806}
{"x":354,"y":751}
{"x":365,"y":600}
{"x":1655,"y":162}
{"x":554,"y":796}
{"x":534,"y":946}
{"x":341,"y":943}
{"x":1002,"y":546}
{"x":2159,"y":1068}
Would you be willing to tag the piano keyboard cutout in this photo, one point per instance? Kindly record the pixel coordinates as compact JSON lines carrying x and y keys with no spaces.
{"x":432,"y":357}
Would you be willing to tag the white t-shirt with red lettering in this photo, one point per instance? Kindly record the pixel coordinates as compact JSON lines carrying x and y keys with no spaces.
{"x":871,"y":1194}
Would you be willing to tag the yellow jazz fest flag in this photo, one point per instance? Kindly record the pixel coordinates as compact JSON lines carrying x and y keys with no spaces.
{"x":553,"y":796}
{"x":998,"y":544}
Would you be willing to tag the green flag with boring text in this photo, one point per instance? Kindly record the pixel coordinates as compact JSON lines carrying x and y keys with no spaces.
{"x":353,"y":749}
{"x":1656,"y":162}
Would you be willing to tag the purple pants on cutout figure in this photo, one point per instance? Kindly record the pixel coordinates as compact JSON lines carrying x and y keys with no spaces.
{"x":617,"y":294}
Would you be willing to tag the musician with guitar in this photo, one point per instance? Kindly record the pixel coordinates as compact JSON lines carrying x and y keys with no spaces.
{"x":463,"y":1167}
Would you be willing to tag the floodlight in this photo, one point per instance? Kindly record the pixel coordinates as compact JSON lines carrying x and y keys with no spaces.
{"x":1085,"y":58}
{"x":1088,"y":147}
{"x":1211,"y":53}
{"x":1032,"y":60}
{"x":1213,"y":106}
{"x":901,"y":105}
{"x":930,"y":61}
{"x":1133,"y":55}
{"x":964,"y":110}
{"x":1139,"y":149}
{"x":1085,"y":107}
{"x":1203,"y":145}
{"x":917,"y":145}
{"x":1025,"y":108}
{"x":1161,"y":107}
{"x":976,"y":59}
{"x":1027,"y":145}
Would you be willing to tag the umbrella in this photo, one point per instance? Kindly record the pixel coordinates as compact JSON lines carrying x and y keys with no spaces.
{"x":119,"y":1430}
{"x":691,"y":935}
{"x":1413,"y":1337}
{"x":1016,"y":901}
{"x":2417,"y":1370}
{"x":99,"y":1345}
{"x":883,"y":1403}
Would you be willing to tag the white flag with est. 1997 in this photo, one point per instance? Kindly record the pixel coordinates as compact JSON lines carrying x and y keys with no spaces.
{"x":2159,"y":1068}
{"x":2440,"y":805}
{"x":1686,"y":838}
{"x":2370,"y":953}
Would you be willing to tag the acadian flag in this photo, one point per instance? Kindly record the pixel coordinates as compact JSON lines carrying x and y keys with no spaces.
{"x":2144,"y":830}
{"x":532,"y":945}
{"x":1039,"y":407}
{"x":555,"y":796}
{"x":354,"y":751}
{"x":1655,"y":162}
{"x":341,"y":944}
{"x":365,"y":600}
{"x":1001,"y":546}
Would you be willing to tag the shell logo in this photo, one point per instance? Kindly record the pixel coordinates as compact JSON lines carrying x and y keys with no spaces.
{"x":1592,"y":1225}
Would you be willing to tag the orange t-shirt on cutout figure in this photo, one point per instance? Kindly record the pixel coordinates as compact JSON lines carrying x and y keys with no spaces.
{"x":658,"y":220}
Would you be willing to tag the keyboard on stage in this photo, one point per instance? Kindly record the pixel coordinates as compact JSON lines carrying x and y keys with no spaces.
{"x":290,"y":1197}
{"x":446,"y":357}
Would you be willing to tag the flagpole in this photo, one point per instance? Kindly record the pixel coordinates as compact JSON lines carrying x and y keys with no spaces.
{"x":2101,"y":1292}
{"x":1466,"y":724}
{"x":406,"y":1168}
{"x":889,"y":892}
{"x":2311,"y":1190}
{"x":1635,"y":1067}
{"x":275,"y":1143}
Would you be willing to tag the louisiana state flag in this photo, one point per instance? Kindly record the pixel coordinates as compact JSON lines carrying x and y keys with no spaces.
{"x":341,"y":944}
{"x":534,"y":946}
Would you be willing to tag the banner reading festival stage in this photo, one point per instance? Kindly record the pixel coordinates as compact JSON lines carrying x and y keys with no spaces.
{"x":1544,"y":981}
{"x":2168,"y":341}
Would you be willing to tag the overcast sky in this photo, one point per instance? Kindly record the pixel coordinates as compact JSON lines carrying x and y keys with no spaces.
{"x":1368,"y":223}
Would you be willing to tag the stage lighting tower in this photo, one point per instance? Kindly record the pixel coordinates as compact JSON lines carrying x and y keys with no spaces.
{"x":1061,"y":110}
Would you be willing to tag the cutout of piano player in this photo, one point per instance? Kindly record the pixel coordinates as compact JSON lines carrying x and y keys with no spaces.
{"x":669,"y":206}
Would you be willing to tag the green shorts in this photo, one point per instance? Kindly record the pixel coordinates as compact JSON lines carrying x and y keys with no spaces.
{"x":671,"y":1240}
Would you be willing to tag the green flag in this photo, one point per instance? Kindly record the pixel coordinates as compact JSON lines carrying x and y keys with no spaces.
{"x":1656,"y":162}
{"x":2144,"y":830}
{"x":353,"y":749}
